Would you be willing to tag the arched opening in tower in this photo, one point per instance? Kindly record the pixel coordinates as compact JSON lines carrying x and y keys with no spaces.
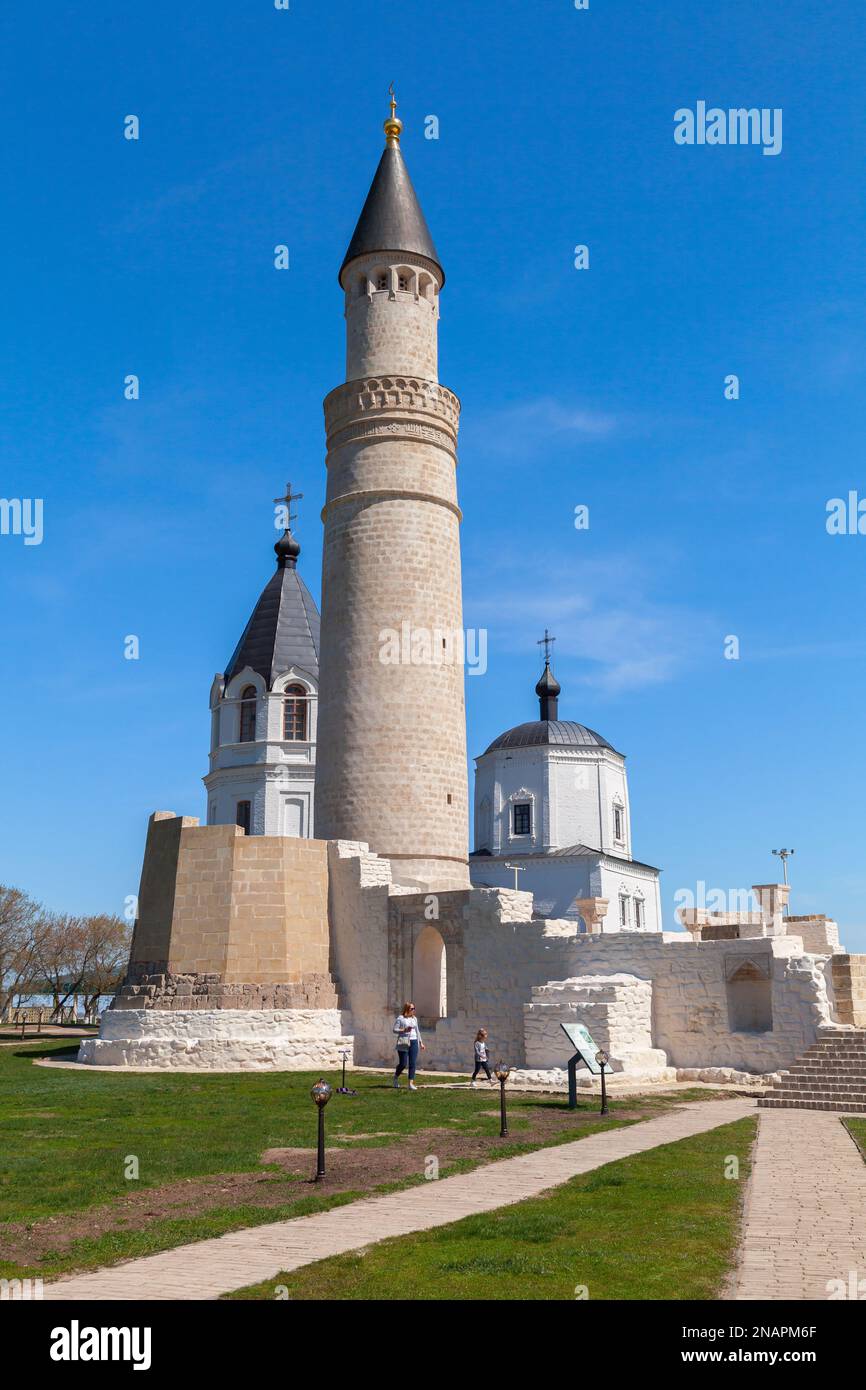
{"x":429,"y":976}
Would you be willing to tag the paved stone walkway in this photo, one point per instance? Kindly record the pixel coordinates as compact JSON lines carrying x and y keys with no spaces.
{"x":209,"y":1268}
{"x":805,"y":1219}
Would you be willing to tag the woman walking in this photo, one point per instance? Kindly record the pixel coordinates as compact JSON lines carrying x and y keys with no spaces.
{"x":408,"y":1044}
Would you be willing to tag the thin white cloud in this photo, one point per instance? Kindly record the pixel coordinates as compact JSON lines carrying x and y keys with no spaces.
{"x":602,"y":616}
{"x":527,"y":425}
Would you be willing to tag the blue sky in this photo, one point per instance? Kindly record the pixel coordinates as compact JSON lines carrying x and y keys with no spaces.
{"x":603,"y":387}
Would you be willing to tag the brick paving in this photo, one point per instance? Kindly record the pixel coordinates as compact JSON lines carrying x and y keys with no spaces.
{"x":209,"y":1268}
{"x":805,"y":1218}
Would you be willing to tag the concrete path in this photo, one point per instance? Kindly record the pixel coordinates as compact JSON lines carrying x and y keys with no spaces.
{"x":805,"y":1219}
{"x":209,"y":1268}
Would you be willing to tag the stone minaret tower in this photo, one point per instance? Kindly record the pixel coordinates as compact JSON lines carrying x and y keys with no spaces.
{"x":392,"y":729}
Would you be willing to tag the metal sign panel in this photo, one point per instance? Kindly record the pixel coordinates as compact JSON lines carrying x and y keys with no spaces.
{"x":582,"y":1041}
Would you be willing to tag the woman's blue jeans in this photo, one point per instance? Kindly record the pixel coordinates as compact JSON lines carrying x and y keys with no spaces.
{"x":411,"y":1057}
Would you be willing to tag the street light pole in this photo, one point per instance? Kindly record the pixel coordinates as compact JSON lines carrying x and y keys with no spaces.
{"x":502,"y":1073}
{"x":321,"y":1094}
{"x":784,"y":855}
{"x":602,"y":1058}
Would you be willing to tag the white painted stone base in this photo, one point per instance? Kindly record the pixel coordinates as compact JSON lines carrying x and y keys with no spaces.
{"x":727,"y":1075}
{"x":558,"y":1077}
{"x":219,"y":1039}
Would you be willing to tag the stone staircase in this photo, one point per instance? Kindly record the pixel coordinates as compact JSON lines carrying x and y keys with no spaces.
{"x":831,"y":1075}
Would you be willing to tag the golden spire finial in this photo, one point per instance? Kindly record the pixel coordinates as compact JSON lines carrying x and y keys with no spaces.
{"x":393,"y":125}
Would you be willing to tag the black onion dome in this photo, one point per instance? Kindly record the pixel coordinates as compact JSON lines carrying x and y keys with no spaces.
{"x":548,"y":684}
{"x":287,"y":550}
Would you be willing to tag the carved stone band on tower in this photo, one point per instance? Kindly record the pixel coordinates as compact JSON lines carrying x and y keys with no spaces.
{"x":392,"y":735}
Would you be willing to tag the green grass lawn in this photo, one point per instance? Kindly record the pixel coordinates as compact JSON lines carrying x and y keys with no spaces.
{"x":66,"y":1136}
{"x":660,"y":1225}
{"x":857,"y":1128}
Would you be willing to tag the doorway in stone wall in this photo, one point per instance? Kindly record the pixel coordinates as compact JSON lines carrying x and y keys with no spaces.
{"x":429,"y":977}
{"x":750,"y":998}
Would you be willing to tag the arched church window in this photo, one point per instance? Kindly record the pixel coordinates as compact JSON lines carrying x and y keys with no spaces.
{"x":381,"y":282}
{"x":295,"y":714}
{"x":248,"y":714}
{"x":618,"y":823}
{"x":404,"y":283}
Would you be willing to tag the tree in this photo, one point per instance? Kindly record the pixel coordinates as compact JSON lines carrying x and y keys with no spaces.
{"x":61,"y":955}
{"x":109,"y":940}
{"x":19,"y":924}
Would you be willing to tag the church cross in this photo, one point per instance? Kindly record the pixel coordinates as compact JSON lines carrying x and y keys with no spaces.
{"x":546,"y":642}
{"x":287,"y":501}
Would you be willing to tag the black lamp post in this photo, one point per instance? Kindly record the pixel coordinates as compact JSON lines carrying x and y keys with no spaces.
{"x":343,"y":1089}
{"x":502,"y":1074}
{"x":321,"y":1094}
{"x":602,"y":1058}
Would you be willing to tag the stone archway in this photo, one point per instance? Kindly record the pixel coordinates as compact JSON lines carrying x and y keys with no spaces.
{"x":429,"y":976}
{"x":750,"y":999}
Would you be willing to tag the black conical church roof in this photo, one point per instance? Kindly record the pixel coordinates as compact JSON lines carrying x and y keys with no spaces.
{"x":283,"y":630}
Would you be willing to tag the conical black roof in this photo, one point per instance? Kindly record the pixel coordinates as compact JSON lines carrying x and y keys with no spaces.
{"x":284,"y":628}
{"x":391,"y":218}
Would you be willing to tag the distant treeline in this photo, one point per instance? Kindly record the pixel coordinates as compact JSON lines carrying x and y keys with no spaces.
{"x":57,"y":955}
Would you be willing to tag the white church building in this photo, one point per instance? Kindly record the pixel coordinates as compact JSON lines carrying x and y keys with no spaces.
{"x":264,"y":712}
{"x":552,"y":818}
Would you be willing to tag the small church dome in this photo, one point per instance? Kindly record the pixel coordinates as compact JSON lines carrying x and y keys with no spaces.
{"x":563,"y":732}
{"x":550,"y":729}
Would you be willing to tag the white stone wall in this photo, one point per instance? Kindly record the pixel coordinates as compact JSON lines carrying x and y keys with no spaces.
{"x":617,"y":1011}
{"x":220,"y":1039}
{"x":817,"y":934}
{"x":503,"y":957}
{"x":691,"y":1002}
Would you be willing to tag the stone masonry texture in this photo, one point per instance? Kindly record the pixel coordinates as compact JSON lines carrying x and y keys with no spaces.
{"x":392,"y":739}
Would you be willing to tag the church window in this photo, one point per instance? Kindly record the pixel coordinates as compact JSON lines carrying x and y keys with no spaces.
{"x":248,"y":714}
{"x":623,"y":910}
{"x":617,"y":823}
{"x":381,"y":282}
{"x":404,"y":283}
{"x":638,"y":913}
{"x":522,"y":817}
{"x":295,"y":714}
{"x":244,"y":816}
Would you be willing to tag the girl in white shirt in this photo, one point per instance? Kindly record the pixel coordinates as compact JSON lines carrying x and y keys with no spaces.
{"x":481,"y":1056}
